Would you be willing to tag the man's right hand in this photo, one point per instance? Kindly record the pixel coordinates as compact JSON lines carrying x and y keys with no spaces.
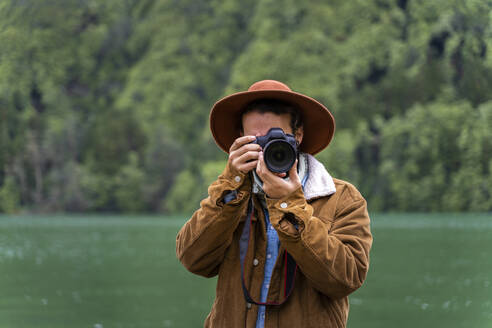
{"x":243,"y":155}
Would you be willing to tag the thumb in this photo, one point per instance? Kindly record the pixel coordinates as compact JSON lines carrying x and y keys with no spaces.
{"x":293,"y":172}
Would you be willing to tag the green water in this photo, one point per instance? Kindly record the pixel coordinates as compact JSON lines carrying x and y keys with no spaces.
{"x":121,"y":271}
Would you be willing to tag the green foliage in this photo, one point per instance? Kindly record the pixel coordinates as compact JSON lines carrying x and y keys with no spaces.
{"x":471,"y":185}
{"x":129,"y":182}
{"x":189,"y":189}
{"x":183,"y":197}
{"x":9,"y":196}
{"x":442,"y":166}
{"x":339,"y":156}
{"x":104,"y":105}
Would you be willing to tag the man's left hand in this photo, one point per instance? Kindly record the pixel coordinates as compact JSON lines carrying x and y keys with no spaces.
{"x":273,"y":183}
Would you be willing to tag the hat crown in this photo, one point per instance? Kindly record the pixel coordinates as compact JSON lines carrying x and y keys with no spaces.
{"x":268,"y":85}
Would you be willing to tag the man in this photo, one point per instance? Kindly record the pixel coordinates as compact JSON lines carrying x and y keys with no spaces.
{"x":288,"y":248}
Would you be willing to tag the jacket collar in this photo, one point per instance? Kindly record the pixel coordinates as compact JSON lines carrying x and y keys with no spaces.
{"x":319,"y":183}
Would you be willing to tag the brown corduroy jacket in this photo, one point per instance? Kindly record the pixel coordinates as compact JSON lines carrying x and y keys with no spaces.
{"x":330,"y":246}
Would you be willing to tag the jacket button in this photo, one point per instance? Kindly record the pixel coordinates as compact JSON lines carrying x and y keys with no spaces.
{"x":237,"y":178}
{"x":255,"y":262}
{"x":283,"y":205}
{"x":248,"y":305}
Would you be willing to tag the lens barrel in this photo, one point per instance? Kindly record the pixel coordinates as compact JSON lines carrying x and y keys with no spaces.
{"x":279,"y":156}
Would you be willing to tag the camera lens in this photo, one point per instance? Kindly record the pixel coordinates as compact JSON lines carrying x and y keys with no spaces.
{"x":279,"y":156}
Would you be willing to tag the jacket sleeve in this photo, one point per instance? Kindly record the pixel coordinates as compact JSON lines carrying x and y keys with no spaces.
{"x":332,"y":253}
{"x":202,"y":241}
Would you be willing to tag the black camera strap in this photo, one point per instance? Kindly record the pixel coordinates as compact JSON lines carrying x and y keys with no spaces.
{"x":290,"y":265}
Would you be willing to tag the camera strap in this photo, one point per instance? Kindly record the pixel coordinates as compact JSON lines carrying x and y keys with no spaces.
{"x":290,"y":265}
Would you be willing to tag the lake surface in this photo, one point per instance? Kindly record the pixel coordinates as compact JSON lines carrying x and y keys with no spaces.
{"x":427,"y":270}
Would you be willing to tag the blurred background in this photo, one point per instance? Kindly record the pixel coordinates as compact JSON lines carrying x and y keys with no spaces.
{"x":105,"y":148}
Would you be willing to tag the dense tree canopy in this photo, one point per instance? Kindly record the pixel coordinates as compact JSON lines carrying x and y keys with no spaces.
{"x":104,"y":104}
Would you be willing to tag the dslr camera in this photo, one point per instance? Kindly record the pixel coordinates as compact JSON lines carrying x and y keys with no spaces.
{"x":279,"y":150}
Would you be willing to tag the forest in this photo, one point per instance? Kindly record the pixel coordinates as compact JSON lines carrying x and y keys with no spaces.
{"x":104,"y":105}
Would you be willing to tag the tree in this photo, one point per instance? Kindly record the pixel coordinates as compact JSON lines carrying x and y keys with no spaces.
{"x":104,"y":105}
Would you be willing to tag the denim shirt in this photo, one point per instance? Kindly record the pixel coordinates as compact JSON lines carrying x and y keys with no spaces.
{"x":273,"y":245}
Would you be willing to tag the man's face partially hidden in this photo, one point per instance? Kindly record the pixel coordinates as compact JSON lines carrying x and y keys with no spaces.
{"x":257,"y":124}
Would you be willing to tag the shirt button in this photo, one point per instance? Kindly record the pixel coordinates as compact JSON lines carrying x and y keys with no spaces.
{"x":269,"y":256}
{"x":237,"y":178}
{"x":267,"y":286}
{"x":283,"y":205}
{"x":255,"y":262}
{"x":271,"y":227}
{"x":248,"y":305}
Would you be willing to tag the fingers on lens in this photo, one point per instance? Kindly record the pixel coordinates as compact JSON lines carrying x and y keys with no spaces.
{"x":248,"y":166}
{"x":240,"y":142}
{"x":235,"y":145}
{"x":248,"y":156}
{"x":249,"y":147}
{"x":246,"y":148}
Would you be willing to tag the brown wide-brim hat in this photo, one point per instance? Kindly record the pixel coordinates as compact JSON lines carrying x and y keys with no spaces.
{"x":318,"y":122}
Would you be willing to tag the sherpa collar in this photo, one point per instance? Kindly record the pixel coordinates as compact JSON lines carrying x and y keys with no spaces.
{"x":319,"y":183}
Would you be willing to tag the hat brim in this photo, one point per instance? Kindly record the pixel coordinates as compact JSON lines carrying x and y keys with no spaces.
{"x":318,"y":122}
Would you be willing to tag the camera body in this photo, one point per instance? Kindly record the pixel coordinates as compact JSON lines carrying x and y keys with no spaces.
{"x":279,"y":150}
